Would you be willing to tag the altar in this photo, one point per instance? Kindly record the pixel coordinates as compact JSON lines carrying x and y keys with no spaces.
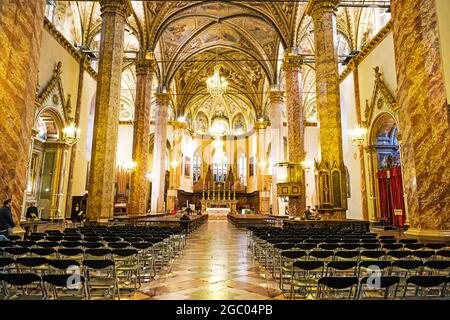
{"x":218,"y":212}
{"x":219,"y":207}
{"x":219,"y":202}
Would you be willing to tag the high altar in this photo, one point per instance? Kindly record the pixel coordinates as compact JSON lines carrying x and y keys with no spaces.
{"x":217,"y":202}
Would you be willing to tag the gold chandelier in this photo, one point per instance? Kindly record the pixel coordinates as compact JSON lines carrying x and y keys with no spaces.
{"x":216,"y":85}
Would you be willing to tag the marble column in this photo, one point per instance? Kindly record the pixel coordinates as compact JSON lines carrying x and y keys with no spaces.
{"x":175,"y":167}
{"x":21,"y":25}
{"x":159,"y":153}
{"x":424,"y":117}
{"x":296,"y":128}
{"x":262,"y":166}
{"x":73,"y":152}
{"x":331,"y":170}
{"x":276,"y":100}
{"x":100,"y":205}
{"x":137,"y":202}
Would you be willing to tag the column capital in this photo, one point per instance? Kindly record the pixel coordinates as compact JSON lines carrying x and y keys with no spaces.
{"x":162,"y":98}
{"x":145,"y":66}
{"x":179,"y":125}
{"x":276,"y":96}
{"x":316,"y":8}
{"x":261,"y":125}
{"x":292,"y":62}
{"x":122,"y":7}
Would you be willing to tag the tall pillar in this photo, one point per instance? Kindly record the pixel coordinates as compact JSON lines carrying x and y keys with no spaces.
{"x":175,"y":167}
{"x":296,"y":127}
{"x":424,"y":117}
{"x":137,"y":203}
{"x":21,"y":25}
{"x":276,"y":100}
{"x":262,"y":167}
{"x":107,"y":107}
{"x":159,"y":153}
{"x":73,"y":152}
{"x":330,"y":169}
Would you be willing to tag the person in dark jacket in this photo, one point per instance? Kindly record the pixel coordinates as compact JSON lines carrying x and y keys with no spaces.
{"x":6,"y":220}
{"x":32,"y":212}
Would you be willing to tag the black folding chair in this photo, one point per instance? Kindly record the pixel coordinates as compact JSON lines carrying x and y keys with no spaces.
{"x":22,"y":286}
{"x":342,"y":268}
{"x":331,"y":288}
{"x":437,"y":267}
{"x":378,"y":287}
{"x":425,"y":287}
{"x":305,"y":275}
{"x":101,"y":275}
{"x":5,"y":264}
{"x":127,"y":265}
{"x":65,"y":286}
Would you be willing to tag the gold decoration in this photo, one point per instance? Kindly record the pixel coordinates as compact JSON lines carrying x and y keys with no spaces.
{"x":381,"y":94}
{"x":292,"y":62}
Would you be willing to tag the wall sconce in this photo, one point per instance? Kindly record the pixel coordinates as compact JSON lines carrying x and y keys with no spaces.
{"x":358,"y":135}
{"x":307,"y":165}
{"x":71,"y":134}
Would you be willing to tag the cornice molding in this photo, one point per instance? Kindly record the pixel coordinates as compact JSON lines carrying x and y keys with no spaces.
{"x":366,"y":51}
{"x":58,"y":36}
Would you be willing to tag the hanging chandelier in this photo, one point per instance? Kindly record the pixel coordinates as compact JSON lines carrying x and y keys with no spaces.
{"x":216,"y":85}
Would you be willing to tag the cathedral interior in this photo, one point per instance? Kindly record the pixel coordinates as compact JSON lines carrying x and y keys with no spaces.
{"x":237,"y":114}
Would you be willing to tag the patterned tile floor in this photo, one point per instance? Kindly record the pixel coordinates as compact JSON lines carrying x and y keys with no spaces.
{"x":215,"y":265}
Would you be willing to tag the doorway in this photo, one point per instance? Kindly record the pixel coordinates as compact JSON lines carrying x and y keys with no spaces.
{"x":387,"y":163}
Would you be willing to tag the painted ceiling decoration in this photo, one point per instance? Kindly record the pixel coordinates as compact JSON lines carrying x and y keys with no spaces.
{"x":189,"y":38}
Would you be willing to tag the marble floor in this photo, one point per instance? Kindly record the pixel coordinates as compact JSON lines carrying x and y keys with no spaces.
{"x":215,"y":265}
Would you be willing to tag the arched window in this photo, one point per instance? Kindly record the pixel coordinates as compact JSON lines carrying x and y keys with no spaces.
{"x":197,"y":166}
{"x":242,"y":169}
{"x":220,"y":168}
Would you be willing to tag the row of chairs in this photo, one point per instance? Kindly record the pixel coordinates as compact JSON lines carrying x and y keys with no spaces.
{"x":99,"y":259}
{"x":305,"y":273}
{"x":372,"y":288}
{"x":300,"y":259}
{"x":64,"y":279}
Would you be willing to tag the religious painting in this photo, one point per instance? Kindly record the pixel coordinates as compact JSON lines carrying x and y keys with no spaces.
{"x":187,"y":166}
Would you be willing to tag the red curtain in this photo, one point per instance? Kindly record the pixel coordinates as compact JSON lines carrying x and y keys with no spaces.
{"x":384,"y":195}
{"x":397,"y":196}
{"x":390,"y":188}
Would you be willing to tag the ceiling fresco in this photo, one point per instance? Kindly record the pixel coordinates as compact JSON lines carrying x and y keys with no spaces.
{"x":244,"y":37}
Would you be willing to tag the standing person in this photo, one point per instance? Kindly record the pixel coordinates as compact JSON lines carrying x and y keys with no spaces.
{"x":6,"y":220}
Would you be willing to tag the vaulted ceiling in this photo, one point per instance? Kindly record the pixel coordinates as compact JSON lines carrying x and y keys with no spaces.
{"x":190,"y":37}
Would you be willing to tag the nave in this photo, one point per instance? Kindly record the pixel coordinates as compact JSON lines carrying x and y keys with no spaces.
{"x":215,"y":264}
